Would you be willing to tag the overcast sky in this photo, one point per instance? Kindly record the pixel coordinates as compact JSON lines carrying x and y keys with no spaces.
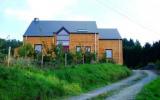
{"x":137,"y":19}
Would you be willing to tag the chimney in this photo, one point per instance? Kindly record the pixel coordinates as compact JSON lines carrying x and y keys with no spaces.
{"x":36,"y":19}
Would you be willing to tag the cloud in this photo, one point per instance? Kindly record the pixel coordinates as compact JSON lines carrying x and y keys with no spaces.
{"x":44,"y":9}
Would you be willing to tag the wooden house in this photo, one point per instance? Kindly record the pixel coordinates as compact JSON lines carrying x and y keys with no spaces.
{"x":74,"y":36}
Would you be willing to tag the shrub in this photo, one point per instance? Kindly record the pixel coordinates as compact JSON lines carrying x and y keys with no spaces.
{"x":22,"y":62}
{"x":26,"y":50}
{"x":2,"y":57}
{"x":158,"y":64}
{"x":89,"y":57}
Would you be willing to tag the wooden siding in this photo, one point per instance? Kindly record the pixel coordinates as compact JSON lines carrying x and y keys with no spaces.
{"x":83,"y":40}
{"x":38,"y":40}
{"x":115,"y":45}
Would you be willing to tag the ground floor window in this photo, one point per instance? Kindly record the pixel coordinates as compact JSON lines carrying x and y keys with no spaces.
{"x":78,"y":48}
{"x":38,"y":48}
{"x":66,"y":48}
{"x":109,"y":53}
{"x":88,"y":48}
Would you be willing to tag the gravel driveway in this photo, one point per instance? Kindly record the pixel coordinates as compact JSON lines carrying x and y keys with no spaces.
{"x":130,"y":92}
{"x":124,"y":94}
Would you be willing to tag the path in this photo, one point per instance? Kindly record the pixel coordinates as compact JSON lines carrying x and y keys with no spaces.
{"x":130,"y":92}
{"x":133,"y":89}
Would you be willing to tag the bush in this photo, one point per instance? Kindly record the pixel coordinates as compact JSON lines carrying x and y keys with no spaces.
{"x":26,"y":50}
{"x":22,"y":62}
{"x":2,"y":57}
{"x":158,"y":64}
{"x":89,"y":57}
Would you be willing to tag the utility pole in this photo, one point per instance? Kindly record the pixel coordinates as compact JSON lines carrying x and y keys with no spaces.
{"x":9,"y":55}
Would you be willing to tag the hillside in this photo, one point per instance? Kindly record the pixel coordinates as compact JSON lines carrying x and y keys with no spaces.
{"x":30,"y":83}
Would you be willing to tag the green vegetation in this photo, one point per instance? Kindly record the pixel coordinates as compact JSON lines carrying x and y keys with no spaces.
{"x":30,"y":83}
{"x":136,"y":56}
{"x":26,"y":50}
{"x":151,"y":91}
{"x":158,"y":64}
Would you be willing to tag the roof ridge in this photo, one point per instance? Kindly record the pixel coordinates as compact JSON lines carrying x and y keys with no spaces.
{"x":65,"y":21}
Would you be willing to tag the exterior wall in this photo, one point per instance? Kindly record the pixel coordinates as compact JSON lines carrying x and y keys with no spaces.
{"x":83,"y":40}
{"x":38,"y":40}
{"x":115,"y":45}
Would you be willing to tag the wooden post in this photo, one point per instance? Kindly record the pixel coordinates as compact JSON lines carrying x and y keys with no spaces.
{"x":42,"y":58}
{"x":95,"y":48}
{"x":83,"y":58}
{"x":9,"y":54}
{"x":65,"y":59}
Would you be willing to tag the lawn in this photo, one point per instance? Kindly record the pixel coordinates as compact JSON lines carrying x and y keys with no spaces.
{"x":151,"y":91}
{"x":30,"y":83}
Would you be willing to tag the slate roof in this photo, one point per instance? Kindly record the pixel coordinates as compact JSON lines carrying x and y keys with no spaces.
{"x":48,"y":28}
{"x":108,"y":33}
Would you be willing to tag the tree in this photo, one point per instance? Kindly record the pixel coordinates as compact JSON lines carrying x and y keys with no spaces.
{"x":136,"y":55}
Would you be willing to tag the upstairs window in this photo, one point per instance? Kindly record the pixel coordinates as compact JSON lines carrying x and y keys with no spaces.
{"x":109,"y":53}
{"x":88,"y":48}
{"x":38,"y":48}
{"x":63,"y":37}
{"x":78,"y":48}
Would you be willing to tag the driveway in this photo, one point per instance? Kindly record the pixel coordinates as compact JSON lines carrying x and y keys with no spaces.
{"x":126,"y":93}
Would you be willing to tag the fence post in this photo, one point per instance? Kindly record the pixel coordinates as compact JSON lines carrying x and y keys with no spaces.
{"x":9,"y":54}
{"x":65,"y":59}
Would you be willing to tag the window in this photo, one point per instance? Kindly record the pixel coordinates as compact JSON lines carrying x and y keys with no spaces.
{"x":78,"y":48}
{"x":38,"y":48}
{"x":88,"y":49}
{"x":108,"y":53}
{"x":64,"y":43}
{"x":63,"y":38}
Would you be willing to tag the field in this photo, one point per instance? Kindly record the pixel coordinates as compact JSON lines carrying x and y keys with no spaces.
{"x":30,"y":83}
{"x":150,"y":91}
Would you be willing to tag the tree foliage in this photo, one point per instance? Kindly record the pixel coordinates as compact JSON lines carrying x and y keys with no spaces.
{"x":137,"y":55}
{"x":4,"y":45}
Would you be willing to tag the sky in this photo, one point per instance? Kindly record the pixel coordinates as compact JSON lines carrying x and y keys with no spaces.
{"x":136,"y":19}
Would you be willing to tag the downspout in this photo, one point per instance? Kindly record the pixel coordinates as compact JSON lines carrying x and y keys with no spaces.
{"x":119,"y":52}
{"x":95,"y":47}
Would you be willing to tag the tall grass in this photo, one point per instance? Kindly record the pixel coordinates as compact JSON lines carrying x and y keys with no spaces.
{"x":151,"y":91}
{"x":30,"y":83}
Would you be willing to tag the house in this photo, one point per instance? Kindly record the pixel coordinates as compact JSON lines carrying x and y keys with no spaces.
{"x":74,"y":36}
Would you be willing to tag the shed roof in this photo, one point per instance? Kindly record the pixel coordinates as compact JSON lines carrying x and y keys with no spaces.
{"x":108,"y":33}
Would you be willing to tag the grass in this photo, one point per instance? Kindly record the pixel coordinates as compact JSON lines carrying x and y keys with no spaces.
{"x":30,"y":83}
{"x":151,"y":91}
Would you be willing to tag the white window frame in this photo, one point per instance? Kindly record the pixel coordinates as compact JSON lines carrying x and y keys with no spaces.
{"x":109,"y":53}
{"x":78,"y":48}
{"x":88,"y":48}
{"x":38,"y":48}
